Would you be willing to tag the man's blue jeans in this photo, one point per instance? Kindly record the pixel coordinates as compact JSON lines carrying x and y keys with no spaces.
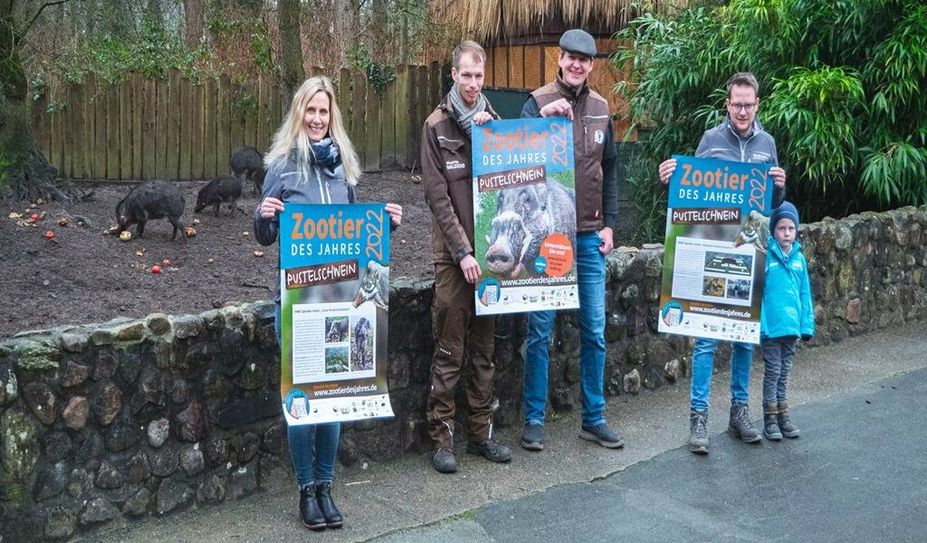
{"x":313,"y":447}
{"x":590,"y":271}
{"x":703,"y":361}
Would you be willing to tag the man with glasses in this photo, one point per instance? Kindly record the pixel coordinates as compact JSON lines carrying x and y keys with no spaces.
{"x":739,"y":138}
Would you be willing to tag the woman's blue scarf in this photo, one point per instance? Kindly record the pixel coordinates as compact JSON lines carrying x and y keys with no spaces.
{"x":324,"y":153}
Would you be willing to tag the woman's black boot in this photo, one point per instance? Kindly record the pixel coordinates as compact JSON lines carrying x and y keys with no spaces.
{"x":332,"y":516}
{"x":309,"y":508}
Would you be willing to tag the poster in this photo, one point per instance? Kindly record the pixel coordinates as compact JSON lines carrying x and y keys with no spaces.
{"x":524,"y":209}
{"x":714,"y":259}
{"x":334,"y":302}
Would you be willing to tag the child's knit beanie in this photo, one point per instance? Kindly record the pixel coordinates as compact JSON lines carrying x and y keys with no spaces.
{"x":785,"y":211}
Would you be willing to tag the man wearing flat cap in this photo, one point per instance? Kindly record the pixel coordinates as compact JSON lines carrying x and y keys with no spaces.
{"x":596,"y":176}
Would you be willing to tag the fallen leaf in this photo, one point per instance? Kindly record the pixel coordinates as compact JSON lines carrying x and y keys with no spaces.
{"x":259,"y":254}
{"x":14,"y":215}
{"x":190,"y":232}
{"x":63,"y":221}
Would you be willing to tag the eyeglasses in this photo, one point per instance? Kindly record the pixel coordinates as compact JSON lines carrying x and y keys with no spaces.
{"x":747,"y":108}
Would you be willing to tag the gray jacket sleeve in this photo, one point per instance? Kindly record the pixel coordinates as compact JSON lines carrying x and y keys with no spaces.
{"x":265,"y":230}
{"x":610,"y":180}
{"x":530,"y":110}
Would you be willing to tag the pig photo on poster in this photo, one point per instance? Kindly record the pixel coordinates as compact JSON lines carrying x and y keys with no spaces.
{"x":524,"y":215}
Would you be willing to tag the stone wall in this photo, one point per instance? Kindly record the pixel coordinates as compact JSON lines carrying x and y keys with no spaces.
{"x":106,"y":423}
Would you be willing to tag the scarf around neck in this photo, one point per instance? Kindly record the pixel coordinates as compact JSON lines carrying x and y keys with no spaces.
{"x":464,"y":113}
{"x":324,"y":153}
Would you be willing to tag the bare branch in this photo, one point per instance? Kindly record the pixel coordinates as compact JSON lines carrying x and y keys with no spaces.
{"x":26,"y":28}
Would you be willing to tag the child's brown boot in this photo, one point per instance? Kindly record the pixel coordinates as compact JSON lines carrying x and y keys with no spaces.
{"x":771,"y":421}
{"x":785,"y":423}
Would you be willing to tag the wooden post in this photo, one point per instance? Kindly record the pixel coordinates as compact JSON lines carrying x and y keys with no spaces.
{"x":374,"y":127}
{"x":186,"y":128}
{"x":136,"y":112}
{"x":196,"y":134}
{"x":112,"y":132}
{"x":90,"y":155}
{"x":162,"y":118}
{"x":251,"y":137}
{"x":149,"y":137}
{"x":223,"y":143}
{"x":125,"y":128}
{"x":76,"y":100}
{"x":358,"y":121}
{"x":388,"y":122}
{"x":210,"y":150}
{"x":345,"y":104}
{"x":99,"y":131}
{"x":172,"y":147}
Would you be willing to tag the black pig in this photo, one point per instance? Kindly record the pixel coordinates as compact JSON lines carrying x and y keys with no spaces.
{"x":337,"y":330}
{"x":155,"y":200}
{"x":224,"y":188}
{"x":248,"y":163}
{"x":526,"y":215}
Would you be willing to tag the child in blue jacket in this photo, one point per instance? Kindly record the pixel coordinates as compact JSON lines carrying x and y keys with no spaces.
{"x":787,"y":314}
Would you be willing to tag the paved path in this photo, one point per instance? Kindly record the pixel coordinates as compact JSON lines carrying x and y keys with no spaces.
{"x":857,"y":474}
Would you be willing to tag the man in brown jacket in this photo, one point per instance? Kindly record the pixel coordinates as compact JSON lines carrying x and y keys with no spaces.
{"x":459,"y":334}
{"x":596,"y":174}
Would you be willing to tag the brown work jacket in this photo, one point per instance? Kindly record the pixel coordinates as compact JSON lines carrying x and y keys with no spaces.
{"x":447,"y":174}
{"x":590,"y":130}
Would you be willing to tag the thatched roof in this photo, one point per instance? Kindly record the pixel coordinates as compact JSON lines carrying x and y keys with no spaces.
{"x":494,"y":20}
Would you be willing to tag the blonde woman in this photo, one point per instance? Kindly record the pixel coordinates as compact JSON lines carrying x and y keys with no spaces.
{"x":311,"y":161}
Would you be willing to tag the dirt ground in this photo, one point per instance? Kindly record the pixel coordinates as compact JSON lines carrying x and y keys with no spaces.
{"x":83,"y":275}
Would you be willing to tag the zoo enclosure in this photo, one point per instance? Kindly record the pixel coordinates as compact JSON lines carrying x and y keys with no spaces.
{"x":177,"y":128}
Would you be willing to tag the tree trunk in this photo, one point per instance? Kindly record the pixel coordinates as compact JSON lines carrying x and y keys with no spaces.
{"x":24,"y":172}
{"x":193,"y":22}
{"x":379,"y":30}
{"x":291,"y":50}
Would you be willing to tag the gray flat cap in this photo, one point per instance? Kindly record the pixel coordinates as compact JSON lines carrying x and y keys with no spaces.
{"x":578,"y":41}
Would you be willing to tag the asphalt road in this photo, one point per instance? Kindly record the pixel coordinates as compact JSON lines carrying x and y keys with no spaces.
{"x":857,"y":473}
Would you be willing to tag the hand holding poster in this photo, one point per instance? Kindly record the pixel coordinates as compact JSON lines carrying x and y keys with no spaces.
{"x":524,"y":215}
{"x":334,"y":299}
{"x":716,"y":231}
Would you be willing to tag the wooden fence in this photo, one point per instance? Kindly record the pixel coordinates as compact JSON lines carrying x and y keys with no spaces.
{"x":176,"y":128}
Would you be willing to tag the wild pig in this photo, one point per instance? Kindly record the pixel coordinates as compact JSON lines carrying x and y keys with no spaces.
{"x":526,"y":215}
{"x":248,"y":163}
{"x":337,"y":330}
{"x":362,"y":358}
{"x":375,"y":286}
{"x":224,"y":188}
{"x":148,"y":201}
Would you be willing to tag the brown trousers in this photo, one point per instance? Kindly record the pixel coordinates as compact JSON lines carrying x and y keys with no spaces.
{"x":458,"y":332}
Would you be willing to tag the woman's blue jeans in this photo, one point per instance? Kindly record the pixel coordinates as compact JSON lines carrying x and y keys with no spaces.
{"x":590,"y":271}
{"x":313,"y":447}
{"x":703,"y":361}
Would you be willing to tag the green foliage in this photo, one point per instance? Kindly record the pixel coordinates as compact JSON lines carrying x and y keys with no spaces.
{"x":154,"y":50}
{"x":840,"y":88}
{"x":380,"y":75}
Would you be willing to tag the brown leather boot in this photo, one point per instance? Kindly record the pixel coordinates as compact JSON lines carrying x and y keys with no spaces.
{"x":785,"y":423}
